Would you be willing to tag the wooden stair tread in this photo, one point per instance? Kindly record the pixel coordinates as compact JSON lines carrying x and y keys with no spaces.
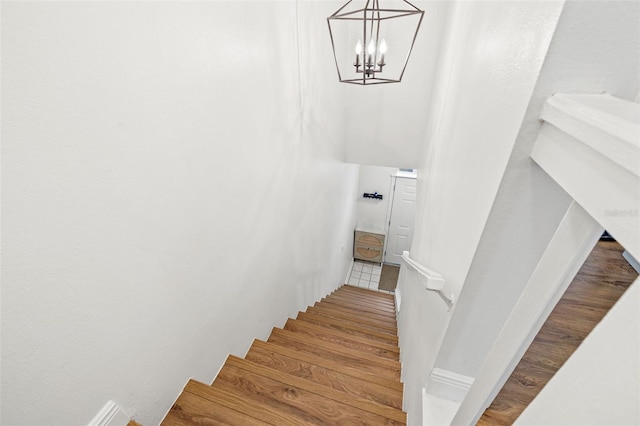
{"x":365,"y":314}
{"x":331,"y":364}
{"x":349,"y":357}
{"x":350,"y":317}
{"x":194,"y":409}
{"x":345,"y":307}
{"x":356,"y":301}
{"x":387,"y":313}
{"x":262,"y":412}
{"x":346,"y":327}
{"x":337,"y":363}
{"x":355,"y":296}
{"x":372,"y":293}
{"x":352,"y":295}
{"x":348,"y":340}
{"x":362,"y":303}
{"x":301,"y":398}
{"x":324,"y":376}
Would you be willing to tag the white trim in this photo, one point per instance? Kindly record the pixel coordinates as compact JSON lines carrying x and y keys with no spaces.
{"x":595,"y":162}
{"x":632,"y":261}
{"x":110,"y":415}
{"x":448,"y":384}
{"x":574,"y":239}
{"x":437,"y":411}
{"x":606,"y":124}
{"x":387,"y":219}
{"x":406,"y":175}
{"x":346,"y":280}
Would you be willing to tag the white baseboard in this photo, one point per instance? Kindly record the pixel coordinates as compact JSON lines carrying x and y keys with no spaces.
{"x":110,"y":415}
{"x":346,"y":280}
{"x":437,"y":411}
{"x":449,"y":385}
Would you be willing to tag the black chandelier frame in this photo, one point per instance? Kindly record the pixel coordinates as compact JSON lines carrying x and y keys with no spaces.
{"x":372,"y":15}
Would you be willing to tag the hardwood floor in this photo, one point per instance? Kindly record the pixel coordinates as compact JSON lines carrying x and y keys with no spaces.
{"x":335,"y":364}
{"x":598,"y":285}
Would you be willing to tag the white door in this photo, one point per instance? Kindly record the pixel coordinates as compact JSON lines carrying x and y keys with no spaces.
{"x":403,"y":212}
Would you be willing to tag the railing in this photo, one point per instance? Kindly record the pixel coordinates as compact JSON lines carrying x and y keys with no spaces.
{"x":432,"y":280}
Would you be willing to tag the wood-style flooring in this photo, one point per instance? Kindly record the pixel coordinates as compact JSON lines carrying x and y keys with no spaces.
{"x":598,"y":285}
{"x":335,"y":364}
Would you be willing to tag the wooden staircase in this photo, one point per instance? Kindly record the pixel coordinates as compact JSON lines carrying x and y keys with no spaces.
{"x":336,"y":364}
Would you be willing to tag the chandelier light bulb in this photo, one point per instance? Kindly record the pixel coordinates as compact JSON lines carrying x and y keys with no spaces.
{"x":383,"y":47}
{"x":358,"y":51}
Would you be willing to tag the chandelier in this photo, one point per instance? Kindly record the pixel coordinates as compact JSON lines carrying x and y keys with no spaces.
{"x":380,"y":33}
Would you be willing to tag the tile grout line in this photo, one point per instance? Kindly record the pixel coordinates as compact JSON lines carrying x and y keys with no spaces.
{"x":371,"y":274}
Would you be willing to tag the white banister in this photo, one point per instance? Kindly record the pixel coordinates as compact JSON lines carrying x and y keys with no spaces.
{"x":432,"y":280}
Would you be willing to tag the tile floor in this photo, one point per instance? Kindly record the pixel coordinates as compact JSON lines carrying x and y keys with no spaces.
{"x":366,"y":275}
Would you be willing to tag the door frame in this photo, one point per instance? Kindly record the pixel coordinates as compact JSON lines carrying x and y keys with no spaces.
{"x":392,"y":191}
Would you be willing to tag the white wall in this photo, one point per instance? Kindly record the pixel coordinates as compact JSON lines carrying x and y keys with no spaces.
{"x":599,"y":384}
{"x":491,"y":59}
{"x":372,"y":213}
{"x":596,"y":48}
{"x":159,"y":185}
{"x":386,"y":123}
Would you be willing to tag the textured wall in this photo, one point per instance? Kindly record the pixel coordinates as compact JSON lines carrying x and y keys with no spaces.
{"x":160,"y":183}
{"x":386,"y":123}
{"x":373,"y":213}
